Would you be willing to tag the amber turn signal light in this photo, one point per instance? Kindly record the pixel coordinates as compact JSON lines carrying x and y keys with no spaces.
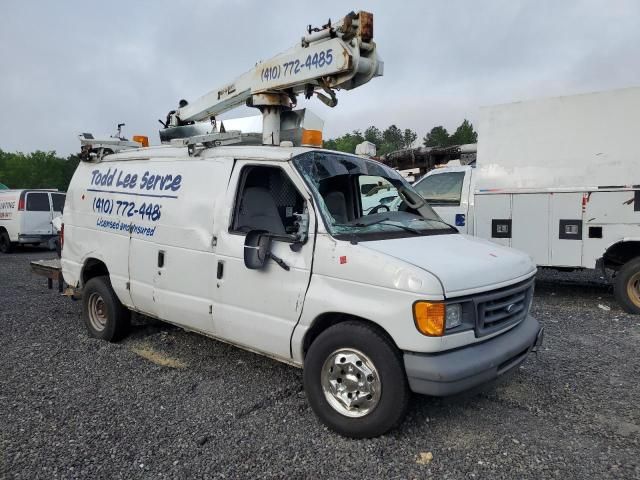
{"x":429,"y":318}
{"x":311,"y":138}
{"x":141,"y":139}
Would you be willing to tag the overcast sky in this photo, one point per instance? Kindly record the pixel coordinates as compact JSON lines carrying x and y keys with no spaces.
{"x":68,"y":66}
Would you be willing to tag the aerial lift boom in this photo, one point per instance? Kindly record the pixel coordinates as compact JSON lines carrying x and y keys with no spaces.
{"x":335,"y":56}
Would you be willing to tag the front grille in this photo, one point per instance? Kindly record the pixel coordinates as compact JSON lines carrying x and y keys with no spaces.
{"x":502,"y":308}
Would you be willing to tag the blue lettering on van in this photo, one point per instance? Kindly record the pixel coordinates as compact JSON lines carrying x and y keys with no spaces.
{"x":160,"y":182}
{"x":124,"y":208}
{"x":130,"y":228}
{"x":150,"y":181}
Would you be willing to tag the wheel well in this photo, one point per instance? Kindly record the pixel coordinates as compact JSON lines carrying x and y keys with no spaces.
{"x":326,"y":320}
{"x":2,"y":229}
{"x":93,"y":268}
{"x":620,"y":253}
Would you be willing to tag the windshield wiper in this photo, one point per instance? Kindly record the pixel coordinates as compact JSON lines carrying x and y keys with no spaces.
{"x":436,"y":220}
{"x":383,"y":221}
{"x":403,"y":227}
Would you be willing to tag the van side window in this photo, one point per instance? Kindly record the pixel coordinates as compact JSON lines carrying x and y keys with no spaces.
{"x":38,"y":202}
{"x":266,"y":200}
{"x":442,"y":188}
{"x":58,"y":202}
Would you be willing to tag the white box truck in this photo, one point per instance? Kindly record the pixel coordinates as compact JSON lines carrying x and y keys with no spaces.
{"x":558,"y":178}
{"x":26,"y":217}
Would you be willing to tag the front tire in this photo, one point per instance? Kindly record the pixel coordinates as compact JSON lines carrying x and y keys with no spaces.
{"x":103,"y":314}
{"x":626,"y":287}
{"x":5,"y":243}
{"x":355,"y":381}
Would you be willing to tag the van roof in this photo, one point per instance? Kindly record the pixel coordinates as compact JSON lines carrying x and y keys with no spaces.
{"x":253,"y":152}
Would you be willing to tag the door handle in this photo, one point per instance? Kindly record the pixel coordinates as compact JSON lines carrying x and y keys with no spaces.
{"x":161,"y":259}
{"x":220,"y":270}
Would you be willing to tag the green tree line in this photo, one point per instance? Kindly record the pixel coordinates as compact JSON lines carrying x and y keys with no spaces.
{"x":394,"y":138}
{"x":36,"y":170}
{"x":47,"y":170}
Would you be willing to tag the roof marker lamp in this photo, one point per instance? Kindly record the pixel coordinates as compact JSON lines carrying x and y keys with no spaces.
{"x":311,"y":138}
{"x":141,"y":139}
{"x":432,"y":319}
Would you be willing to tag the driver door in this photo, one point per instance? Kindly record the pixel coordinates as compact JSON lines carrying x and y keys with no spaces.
{"x":259,"y":309}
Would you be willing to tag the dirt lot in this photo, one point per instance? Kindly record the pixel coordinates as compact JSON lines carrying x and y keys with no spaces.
{"x":169,"y":404}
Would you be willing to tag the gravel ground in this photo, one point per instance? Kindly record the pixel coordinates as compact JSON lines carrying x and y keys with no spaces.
{"x":169,"y":404}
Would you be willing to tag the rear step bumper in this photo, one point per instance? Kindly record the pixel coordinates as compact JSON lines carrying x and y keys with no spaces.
{"x":453,"y":372}
{"x":35,"y":238}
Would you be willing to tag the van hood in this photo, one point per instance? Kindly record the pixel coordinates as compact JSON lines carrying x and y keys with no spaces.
{"x":463,"y":264}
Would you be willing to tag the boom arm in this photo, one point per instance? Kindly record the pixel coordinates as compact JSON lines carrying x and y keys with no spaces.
{"x":338,"y":56}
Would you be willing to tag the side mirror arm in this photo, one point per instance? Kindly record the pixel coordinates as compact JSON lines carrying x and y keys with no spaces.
{"x":279,"y":261}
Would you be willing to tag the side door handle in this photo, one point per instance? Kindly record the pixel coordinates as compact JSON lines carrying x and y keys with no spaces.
{"x":160,"y":258}
{"x":220,"y":270}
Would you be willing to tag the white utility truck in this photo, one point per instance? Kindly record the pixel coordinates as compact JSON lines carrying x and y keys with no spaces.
{"x":26,"y":216}
{"x":261,"y":241}
{"x":558,"y":178}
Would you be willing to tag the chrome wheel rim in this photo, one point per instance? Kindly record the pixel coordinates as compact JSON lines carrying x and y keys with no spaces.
{"x":351,"y":383}
{"x":97,"y":312}
{"x":633,"y":289}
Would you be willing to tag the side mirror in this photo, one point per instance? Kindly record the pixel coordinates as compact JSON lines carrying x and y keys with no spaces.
{"x":256,"y":249}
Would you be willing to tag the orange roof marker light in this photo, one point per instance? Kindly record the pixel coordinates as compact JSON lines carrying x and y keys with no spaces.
{"x":141,"y":139}
{"x":311,"y":138}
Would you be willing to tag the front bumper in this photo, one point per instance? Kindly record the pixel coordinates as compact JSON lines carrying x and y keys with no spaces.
{"x":453,"y":372}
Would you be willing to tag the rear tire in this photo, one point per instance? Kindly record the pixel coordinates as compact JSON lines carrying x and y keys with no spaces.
{"x":103,"y":314}
{"x":5,"y":243}
{"x":626,"y":286}
{"x":355,"y":381}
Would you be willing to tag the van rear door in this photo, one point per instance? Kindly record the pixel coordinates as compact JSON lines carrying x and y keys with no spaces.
{"x":37,"y":217}
{"x":57,"y":204}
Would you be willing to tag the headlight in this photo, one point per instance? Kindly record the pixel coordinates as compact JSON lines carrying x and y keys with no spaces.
{"x":453,"y":316}
{"x":433,"y":319}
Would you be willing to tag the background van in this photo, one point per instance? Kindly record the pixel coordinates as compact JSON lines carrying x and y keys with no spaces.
{"x":26,"y":216}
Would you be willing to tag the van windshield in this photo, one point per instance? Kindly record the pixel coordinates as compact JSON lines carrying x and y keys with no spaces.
{"x":362,"y":199}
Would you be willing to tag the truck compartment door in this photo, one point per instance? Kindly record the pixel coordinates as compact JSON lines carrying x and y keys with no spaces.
{"x":610,"y":217}
{"x":530,"y":221}
{"x":493,"y":217}
{"x":565,"y":229}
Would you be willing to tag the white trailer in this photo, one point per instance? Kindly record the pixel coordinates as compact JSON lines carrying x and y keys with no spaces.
{"x":557,"y":178}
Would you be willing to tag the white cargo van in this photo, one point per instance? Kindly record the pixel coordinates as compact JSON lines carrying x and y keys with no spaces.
{"x":267,"y":248}
{"x":557,"y":178}
{"x":26,"y":216}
